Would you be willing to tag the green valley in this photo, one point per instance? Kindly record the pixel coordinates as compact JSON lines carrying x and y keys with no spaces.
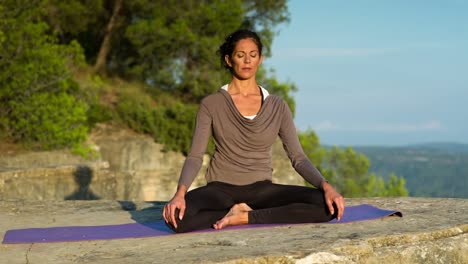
{"x":430,"y":170}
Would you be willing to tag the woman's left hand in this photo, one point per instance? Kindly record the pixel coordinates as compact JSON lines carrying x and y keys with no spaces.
{"x":333,"y":197}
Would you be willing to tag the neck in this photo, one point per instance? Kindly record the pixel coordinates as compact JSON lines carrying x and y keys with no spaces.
{"x":243,"y":87}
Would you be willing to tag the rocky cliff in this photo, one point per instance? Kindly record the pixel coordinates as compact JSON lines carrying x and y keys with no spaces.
{"x":129,"y":166}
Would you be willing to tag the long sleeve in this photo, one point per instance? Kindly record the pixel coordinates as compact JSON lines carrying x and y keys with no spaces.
{"x":293,"y":148}
{"x":243,"y":146}
{"x":201,"y":135}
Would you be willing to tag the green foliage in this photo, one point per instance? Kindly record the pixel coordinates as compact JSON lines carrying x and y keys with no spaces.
{"x":345,"y":165}
{"x":175,"y":44}
{"x":396,"y":186}
{"x":68,"y":18}
{"x":348,"y":171}
{"x":85,"y":151}
{"x":283,"y":90}
{"x":375,"y":186}
{"x":311,"y":145}
{"x":92,"y":87}
{"x":261,"y":16}
{"x":428,"y":170}
{"x":177,"y":123}
{"x":171,"y":44}
{"x":98,"y":113}
{"x":170,"y":125}
{"x":50,"y":120}
{"x":37,"y":93}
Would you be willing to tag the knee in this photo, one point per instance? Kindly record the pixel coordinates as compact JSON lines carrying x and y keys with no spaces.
{"x":329,"y":216}
{"x":182,"y":226}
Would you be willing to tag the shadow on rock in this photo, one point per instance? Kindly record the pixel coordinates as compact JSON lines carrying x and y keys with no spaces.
{"x":83,"y":177}
{"x":150,"y":216}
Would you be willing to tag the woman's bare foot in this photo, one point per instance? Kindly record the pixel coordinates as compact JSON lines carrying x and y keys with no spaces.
{"x":240,"y":207}
{"x":238,"y":215}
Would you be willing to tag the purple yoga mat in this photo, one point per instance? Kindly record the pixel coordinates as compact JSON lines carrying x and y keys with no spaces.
{"x":158,"y":228}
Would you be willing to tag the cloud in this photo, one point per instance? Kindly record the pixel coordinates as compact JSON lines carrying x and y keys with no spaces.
{"x":326,"y":125}
{"x":432,"y":125}
{"x":332,"y":52}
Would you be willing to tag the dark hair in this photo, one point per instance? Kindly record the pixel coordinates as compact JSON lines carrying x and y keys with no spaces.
{"x":227,"y":48}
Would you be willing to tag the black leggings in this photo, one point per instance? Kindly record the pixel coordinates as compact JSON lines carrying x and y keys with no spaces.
{"x":271,"y":203}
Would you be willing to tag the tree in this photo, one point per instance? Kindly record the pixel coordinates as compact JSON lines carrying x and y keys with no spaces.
{"x":68,"y":19}
{"x":175,"y":45}
{"x":348,"y":171}
{"x":101,"y":61}
{"x":284,"y":90}
{"x":311,"y":146}
{"x":262,"y":16}
{"x":396,"y":186}
{"x":37,"y":92}
{"x":168,"y":44}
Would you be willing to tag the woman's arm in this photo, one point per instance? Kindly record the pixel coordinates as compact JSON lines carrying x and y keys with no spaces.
{"x":200,"y":138}
{"x":304,"y":166}
{"x":293,"y":148}
{"x":192,"y":165}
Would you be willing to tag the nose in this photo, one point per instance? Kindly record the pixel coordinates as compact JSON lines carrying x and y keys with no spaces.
{"x":247,"y":59}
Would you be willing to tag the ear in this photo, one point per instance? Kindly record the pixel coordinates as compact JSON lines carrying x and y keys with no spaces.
{"x":261,"y":60}
{"x":228,"y":60}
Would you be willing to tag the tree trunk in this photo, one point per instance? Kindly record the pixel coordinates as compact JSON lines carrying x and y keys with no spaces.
{"x":101,"y":61}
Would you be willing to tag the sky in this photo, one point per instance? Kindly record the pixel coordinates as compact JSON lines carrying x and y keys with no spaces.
{"x":375,"y":72}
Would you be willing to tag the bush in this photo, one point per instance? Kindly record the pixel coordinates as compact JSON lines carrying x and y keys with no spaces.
{"x":136,"y":112}
{"x":171,"y":125}
{"x":49,"y":120}
{"x":38,"y":103}
{"x":348,"y":171}
{"x":98,"y":113}
{"x":176,"y":126}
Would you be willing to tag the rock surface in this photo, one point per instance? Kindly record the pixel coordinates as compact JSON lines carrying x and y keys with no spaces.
{"x":431,"y":231}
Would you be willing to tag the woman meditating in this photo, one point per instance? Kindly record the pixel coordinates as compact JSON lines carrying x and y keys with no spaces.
{"x":245,"y":120}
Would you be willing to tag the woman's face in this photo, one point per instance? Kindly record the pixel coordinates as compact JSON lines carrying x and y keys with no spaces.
{"x":245,"y":59}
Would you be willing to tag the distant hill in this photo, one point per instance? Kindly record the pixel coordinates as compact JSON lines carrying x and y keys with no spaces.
{"x":443,"y":146}
{"x":430,"y":170}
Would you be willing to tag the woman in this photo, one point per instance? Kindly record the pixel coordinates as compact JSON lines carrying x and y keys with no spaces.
{"x":245,"y":122}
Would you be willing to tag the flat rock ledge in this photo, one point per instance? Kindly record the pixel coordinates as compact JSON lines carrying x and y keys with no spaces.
{"x":432,"y":230}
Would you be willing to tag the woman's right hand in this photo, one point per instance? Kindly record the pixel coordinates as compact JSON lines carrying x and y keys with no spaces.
{"x":177,"y":202}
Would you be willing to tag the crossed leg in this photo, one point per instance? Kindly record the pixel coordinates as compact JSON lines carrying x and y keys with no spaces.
{"x":219,"y":205}
{"x":238,"y":215}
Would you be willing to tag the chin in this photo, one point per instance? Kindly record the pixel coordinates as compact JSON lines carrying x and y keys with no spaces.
{"x":244,"y":76}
